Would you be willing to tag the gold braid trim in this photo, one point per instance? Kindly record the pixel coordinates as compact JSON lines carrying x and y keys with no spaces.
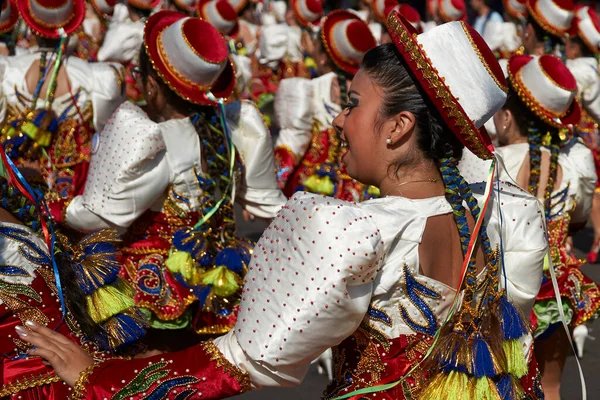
{"x":28,"y":383}
{"x":215,"y":355}
{"x":79,"y":388}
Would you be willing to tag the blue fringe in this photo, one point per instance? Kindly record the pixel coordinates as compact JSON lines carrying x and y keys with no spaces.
{"x":505,"y":388}
{"x":130,"y":331}
{"x":483,"y":362}
{"x":513,"y":326}
{"x":232,"y":259}
{"x":105,"y":271}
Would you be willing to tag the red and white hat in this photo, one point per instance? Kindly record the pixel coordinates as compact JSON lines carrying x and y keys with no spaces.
{"x":465,"y":101}
{"x":186,"y":5}
{"x":587,"y":24}
{"x":546,"y":87}
{"x":238,"y":5}
{"x":190,"y":55}
{"x":432,"y":7}
{"x":379,"y":8}
{"x":9,"y":16}
{"x":515,"y":8}
{"x":410,"y":14}
{"x":46,"y":17}
{"x":452,"y":10}
{"x":221,"y":14}
{"x":104,"y":8}
{"x":554,"y":16}
{"x":346,"y":39}
{"x":308,"y":12}
{"x":144,"y":4}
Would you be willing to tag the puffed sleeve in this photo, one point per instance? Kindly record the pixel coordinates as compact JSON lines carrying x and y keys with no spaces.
{"x":108,"y":90}
{"x":522,"y":228}
{"x":588,"y":85}
{"x":258,"y":191}
{"x":128,"y":173}
{"x":294,"y":114}
{"x":308,"y":287}
{"x":122,"y":42}
{"x":582,"y":159}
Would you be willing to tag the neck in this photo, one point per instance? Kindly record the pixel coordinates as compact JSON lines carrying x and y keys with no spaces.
{"x":413,"y":181}
{"x":485,"y":10}
{"x":514,"y":136}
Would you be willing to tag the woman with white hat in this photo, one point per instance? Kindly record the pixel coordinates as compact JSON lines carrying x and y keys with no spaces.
{"x":167,"y":176}
{"x":377,"y":280}
{"x":55,"y":101}
{"x":541,"y":105}
{"x":308,"y":150}
{"x":548,"y":22}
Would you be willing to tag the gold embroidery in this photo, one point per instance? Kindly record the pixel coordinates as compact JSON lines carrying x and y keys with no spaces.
{"x":215,"y":355}
{"x":28,"y":383}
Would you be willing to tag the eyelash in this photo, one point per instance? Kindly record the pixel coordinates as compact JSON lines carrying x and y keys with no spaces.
{"x":349,"y":106}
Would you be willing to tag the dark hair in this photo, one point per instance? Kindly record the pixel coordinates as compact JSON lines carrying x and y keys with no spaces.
{"x":585,"y":50}
{"x":384,"y":64}
{"x":537,"y":132}
{"x":183,"y":106}
{"x":542,"y":35}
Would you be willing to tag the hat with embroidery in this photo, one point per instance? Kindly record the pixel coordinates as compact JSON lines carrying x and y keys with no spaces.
{"x":515,"y":8}
{"x":587,"y":26}
{"x":308,"y":12}
{"x":547,"y":87}
{"x":346,"y":39}
{"x":554,"y":16}
{"x":9,"y":16}
{"x":190,"y":55}
{"x":452,"y":10}
{"x":47,"y":17}
{"x":144,"y":4}
{"x":221,"y":14}
{"x":379,"y":8}
{"x":409,"y":13}
{"x":465,"y":101}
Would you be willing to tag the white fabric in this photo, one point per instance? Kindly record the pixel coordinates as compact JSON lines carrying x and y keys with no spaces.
{"x":250,"y":46}
{"x":578,"y":172}
{"x":100,"y":85}
{"x":273,"y":43}
{"x":442,"y":44}
{"x":13,"y":252}
{"x":295,"y":52}
{"x":481,"y":23}
{"x":258,"y":192}
{"x":587,"y":28}
{"x":122,"y":41}
{"x":298,"y":104}
{"x":243,"y":71}
{"x":323,"y":262}
{"x":342,"y":43}
{"x":518,"y":6}
{"x":585,"y":71}
{"x":448,"y":10}
{"x":137,"y":159}
{"x":213,"y":15}
{"x":377,"y":30}
{"x":305,"y":12}
{"x":502,"y":36}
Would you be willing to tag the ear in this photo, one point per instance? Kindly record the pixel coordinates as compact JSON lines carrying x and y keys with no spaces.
{"x":399,"y":128}
{"x":152,"y":87}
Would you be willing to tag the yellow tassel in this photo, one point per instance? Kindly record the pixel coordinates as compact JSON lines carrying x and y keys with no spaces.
{"x":181,"y":262}
{"x":224,"y":281}
{"x":452,"y":386}
{"x":110,"y":300}
{"x":485,"y":389}
{"x":515,"y":358}
{"x":319,"y":184}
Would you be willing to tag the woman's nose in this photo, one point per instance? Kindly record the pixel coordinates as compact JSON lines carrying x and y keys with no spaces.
{"x":338,"y":122}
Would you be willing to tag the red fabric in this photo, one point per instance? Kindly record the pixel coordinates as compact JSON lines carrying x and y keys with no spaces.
{"x":204,"y":377}
{"x":558,"y":72}
{"x":568,"y":5}
{"x":57,"y":209}
{"x":207,"y":41}
{"x":226,"y":11}
{"x":409,"y":12}
{"x":76,"y":18}
{"x":314,"y":6}
{"x":13,"y":18}
{"x":360,"y":36}
{"x":285,"y":162}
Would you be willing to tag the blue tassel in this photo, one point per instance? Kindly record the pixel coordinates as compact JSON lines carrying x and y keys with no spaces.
{"x":126,"y":329}
{"x":192,"y":242}
{"x":513,"y":326}
{"x":505,"y":388}
{"x":99,"y":257}
{"x":483,"y":361}
{"x":232,"y":259}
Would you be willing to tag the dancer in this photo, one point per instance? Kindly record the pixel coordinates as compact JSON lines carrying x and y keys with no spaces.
{"x":383,"y":273}
{"x":541,"y":104}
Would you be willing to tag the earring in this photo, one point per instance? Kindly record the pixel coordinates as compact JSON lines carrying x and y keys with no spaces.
{"x":388,"y":140}
{"x":503,"y":127}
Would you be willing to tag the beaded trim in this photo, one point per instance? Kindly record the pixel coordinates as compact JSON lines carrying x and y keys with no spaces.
{"x":215,"y":355}
{"x":502,"y":87}
{"x":46,"y":24}
{"x":28,"y":383}
{"x":79,"y":388}
{"x":543,"y":22}
{"x":187,"y":42}
{"x":547,"y":75}
{"x":451,"y":108}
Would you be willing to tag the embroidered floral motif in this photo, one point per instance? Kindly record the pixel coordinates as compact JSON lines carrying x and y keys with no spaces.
{"x":143,"y":381}
{"x":27,"y":248}
{"x":27,"y":383}
{"x":379,"y":315}
{"x":414,"y":289}
{"x":215,"y":355}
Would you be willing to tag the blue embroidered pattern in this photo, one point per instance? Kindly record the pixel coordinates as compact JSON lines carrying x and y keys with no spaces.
{"x":12,"y":271}
{"x":28,"y":249}
{"x":378,"y":315}
{"x":413,"y":289}
{"x":163,"y":390}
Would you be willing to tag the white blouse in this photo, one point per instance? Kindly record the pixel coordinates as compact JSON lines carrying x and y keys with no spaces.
{"x":98,"y":84}
{"x":323,"y":266}
{"x":134,"y":160}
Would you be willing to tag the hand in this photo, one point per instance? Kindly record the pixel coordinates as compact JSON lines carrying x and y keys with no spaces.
{"x":67,"y":359}
{"x":248,"y":216}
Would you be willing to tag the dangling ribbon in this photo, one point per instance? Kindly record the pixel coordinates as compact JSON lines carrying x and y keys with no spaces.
{"x":232,"y":155}
{"x":57,"y":64}
{"x":455,"y":303}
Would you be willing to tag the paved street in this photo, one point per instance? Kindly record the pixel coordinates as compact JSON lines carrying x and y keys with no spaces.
{"x":314,"y":384}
